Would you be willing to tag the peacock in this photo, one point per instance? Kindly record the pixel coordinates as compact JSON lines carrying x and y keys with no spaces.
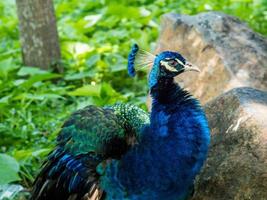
{"x":121,"y":152}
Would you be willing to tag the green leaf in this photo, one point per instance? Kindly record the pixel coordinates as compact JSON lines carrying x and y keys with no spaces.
{"x":6,"y":66}
{"x":77,"y":48}
{"x":124,"y":11}
{"x":92,"y":60}
{"x":21,"y":155}
{"x":118,"y":67}
{"x":92,"y":20}
{"x":41,"y":152}
{"x":10,"y":191}
{"x":86,"y":90}
{"x":109,"y":94}
{"x":5,"y":99}
{"x":40,"y":77}
{"x":116,"y":63}
{"x":9,"y":168}
{"x":80,"y":75}
{"x":107,"y":90}
{"x":30,"y":71}
{"x":38,"y":96}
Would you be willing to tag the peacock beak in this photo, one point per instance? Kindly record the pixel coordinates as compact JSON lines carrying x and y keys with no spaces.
{"x":190,"y":67}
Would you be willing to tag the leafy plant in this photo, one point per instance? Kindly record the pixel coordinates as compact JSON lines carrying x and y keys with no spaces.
{"x":9,"y":169}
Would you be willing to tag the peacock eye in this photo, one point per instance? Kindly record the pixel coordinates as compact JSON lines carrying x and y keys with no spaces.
{"x":172,"y":63}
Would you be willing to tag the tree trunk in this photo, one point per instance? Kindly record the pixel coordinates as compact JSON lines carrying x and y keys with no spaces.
{"x":38,"y":33}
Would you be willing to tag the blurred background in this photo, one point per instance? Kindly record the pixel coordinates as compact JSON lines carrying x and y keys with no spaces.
{"x":95,"y":37}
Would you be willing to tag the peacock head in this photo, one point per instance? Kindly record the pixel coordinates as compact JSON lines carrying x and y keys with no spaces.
{"x":167,"y":64}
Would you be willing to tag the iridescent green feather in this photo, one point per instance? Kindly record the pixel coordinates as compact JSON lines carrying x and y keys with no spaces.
{"x":89,"y":130}
{"x":92,"y":128}
{"x":131,"y":118}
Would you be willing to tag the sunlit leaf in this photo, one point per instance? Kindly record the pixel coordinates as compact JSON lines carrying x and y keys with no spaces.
{"x":124,"y":11}
{"x":91,"y":61}
{"x":87,"y":90}
{"x":21,"y":155}
{"x":9,"y":168}
{"x":6,"y":66}
{"x":118,"y":67}
{"x":77,"y":48}
{"x":5,"y":99}
{"x":80,"y":75}
{"x":10,"y":191}
{"x":30,"y":71}
{"x":92,"y":20}
{"x":30,"y":96}
{"x":40,"y":77}
{"x":41,"y":152}
{"x":104,"y":48}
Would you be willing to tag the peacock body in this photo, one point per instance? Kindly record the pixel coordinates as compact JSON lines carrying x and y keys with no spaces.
{"x":121,"y":152}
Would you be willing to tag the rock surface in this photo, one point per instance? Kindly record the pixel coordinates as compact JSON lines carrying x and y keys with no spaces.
{"x":228,"y":53}
{"x":236,"y":168}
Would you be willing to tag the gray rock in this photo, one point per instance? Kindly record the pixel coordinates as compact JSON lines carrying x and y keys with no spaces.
{"x":236,"y":168}
{"x":228,"y":52}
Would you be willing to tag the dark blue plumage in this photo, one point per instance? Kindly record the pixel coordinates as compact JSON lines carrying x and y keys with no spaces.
{"x":120,"y":152}
{"x":173,"y":147}
{"x":131,"y":60}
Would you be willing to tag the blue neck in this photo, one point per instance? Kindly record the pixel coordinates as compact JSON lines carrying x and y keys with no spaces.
{"x":180,"y":131}
{"x":167,"y":92}
{"x":170,"y":105}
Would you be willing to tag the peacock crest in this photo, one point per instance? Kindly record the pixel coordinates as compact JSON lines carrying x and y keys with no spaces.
{"x":138,"y":59}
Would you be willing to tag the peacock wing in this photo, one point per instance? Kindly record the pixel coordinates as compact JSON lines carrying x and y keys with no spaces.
{"x":92,"y":129}
{"x":90,"y":136}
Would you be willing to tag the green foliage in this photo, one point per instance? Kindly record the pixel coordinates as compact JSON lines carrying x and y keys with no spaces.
{"x":95,"y":38}
{"x":9,"y":169}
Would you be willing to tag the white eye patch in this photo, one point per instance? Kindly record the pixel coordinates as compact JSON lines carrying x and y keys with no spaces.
{"x":180,"y":62}
{"x":167,"y":66}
